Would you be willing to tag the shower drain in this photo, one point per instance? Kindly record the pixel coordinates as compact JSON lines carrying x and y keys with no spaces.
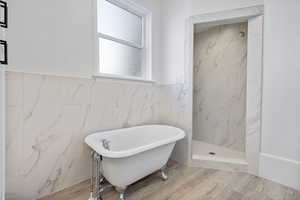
{"x":212,"y":153}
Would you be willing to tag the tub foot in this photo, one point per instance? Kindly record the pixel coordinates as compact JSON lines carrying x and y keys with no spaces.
{"x":121,"y":191}
{"x":163,"y":174}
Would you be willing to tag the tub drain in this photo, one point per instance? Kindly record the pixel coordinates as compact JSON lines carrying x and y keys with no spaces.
{"x":212,"y":153}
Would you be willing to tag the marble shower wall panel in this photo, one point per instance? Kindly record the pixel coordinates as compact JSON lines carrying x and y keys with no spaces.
{"x":220,"y":77}
{"x":48,"y":118}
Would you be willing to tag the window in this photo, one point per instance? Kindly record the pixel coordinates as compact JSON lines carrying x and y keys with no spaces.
{"x":123,"y":47}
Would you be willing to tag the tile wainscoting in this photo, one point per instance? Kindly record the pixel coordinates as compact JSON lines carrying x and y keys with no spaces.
{"x":48,"y":118}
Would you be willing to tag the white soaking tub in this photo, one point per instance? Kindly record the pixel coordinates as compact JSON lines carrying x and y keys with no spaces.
{"x":132,"y":153}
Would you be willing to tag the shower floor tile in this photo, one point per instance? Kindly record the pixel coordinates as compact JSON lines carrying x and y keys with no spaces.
{"x":217,"y":157}
{"x":206,"y":151}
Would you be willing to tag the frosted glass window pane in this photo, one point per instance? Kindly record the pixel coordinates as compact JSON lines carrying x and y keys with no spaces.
{"x":119,"y":23}
{"x":119,"y":59}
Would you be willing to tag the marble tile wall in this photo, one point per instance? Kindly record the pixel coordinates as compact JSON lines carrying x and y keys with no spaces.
{"x":220,"y":82}
{"x":48,"y":118}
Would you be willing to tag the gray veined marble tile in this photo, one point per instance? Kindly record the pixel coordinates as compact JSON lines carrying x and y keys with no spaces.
{"x":49,"y":117}
{"x":220,"y":57}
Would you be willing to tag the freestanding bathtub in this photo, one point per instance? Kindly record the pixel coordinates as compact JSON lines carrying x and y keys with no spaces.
{"x":132,"y":153}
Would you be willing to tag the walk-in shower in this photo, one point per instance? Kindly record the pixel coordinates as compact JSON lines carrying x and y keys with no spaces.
{"x":224,"y":72}
{"x":219,"y":94}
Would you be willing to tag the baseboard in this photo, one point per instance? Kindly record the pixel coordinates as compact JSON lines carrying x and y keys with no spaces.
{"x":280,"y":170}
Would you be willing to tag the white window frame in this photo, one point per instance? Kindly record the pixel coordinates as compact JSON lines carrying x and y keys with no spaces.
{"x":145,"y":46}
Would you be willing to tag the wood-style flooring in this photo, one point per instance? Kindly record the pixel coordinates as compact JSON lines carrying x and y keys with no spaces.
{"x":186,"y":183}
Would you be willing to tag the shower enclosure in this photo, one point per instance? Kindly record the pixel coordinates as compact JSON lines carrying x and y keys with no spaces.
{"x":219,"y":95}
{"x":224,"y":75}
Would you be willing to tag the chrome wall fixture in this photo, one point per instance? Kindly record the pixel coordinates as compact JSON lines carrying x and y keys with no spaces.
{"x":4,"y":12}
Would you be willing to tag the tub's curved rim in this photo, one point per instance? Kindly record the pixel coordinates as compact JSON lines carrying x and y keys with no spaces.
{"x":131,"y":152}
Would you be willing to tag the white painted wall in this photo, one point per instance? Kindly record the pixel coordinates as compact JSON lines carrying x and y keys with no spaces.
{"x":280,"y":158}
{"x":56,"y":37}
{"x":175,"y":12}
{"x":281,"y":113}
{"x":51,"y":37}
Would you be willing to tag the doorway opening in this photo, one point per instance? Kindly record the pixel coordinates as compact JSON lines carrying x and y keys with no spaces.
{"x":219,"y":94}
{"x":224,"y":74}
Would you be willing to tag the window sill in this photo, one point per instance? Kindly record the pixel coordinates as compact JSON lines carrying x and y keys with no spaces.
{"x":127,"y":78}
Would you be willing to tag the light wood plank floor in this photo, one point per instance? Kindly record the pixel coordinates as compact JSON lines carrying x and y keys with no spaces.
{"x":186,"y":183}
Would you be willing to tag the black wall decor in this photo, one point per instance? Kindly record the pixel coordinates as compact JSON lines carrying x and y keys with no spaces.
{"x":4,"y":13}
{"x":3,"y":47}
